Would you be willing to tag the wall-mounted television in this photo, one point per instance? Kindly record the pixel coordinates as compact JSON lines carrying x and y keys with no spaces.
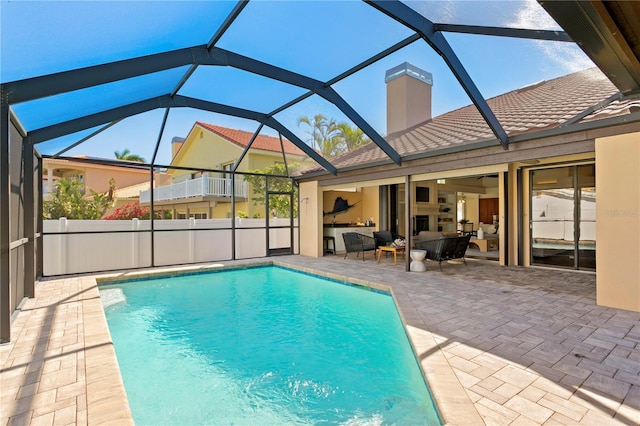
{"x":422,"y":194}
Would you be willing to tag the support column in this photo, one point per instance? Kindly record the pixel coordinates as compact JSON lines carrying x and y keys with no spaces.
{"x":310,"y":220}
{"x":39,"y":224}
{"x":407,"y":222}
{"x":618,"y":221}
{"x":29,"y":219}
{"x":5,"y":183}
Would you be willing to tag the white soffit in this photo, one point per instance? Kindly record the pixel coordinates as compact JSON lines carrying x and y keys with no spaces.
{"x":457,"y":173}
{"x":366,"y":183}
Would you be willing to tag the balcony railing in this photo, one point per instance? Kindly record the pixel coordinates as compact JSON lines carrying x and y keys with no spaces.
{"x":200,"y":187}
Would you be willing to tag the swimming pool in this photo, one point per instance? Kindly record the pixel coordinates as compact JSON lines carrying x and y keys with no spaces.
{"x":263,"y":345}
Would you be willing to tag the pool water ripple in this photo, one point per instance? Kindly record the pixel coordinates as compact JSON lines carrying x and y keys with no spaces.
{"x":263,"y":345}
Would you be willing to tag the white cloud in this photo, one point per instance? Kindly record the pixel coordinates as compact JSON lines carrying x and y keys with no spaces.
{"x":568,"y":56}
{"x":532,"y":16}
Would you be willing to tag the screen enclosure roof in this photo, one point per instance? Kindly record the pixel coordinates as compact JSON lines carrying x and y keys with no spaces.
{"x":138,"y":73}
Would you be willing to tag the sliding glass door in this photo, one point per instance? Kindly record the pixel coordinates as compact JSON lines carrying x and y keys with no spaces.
{"x":563,"y":217}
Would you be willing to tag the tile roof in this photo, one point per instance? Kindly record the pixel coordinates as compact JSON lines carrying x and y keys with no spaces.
{"x":242,"y":138}
{"x":532,"y":108}
{"x":79,"y":164}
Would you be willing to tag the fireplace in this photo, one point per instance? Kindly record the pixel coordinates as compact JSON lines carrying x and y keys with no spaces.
{"x":420,"y":223}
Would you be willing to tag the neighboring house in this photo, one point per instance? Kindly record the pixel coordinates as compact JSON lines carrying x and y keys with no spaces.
{"x":566,"y":192}
{"x":95,"y":176}
{"x":207,"y":194}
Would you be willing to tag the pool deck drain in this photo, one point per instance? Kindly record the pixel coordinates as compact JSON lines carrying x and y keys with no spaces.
{"x":498,"y":345}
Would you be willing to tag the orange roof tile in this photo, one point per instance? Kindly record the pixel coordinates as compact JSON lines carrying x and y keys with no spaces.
{"x":242,"y":138}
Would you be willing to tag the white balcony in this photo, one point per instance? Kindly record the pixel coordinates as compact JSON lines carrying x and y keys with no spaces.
{"x":200,"y":187}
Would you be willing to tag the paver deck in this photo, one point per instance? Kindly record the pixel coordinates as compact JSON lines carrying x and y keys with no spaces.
{"x":498,"y":345}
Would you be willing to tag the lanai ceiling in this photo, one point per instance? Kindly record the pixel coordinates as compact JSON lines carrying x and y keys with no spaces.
{"x":78,"y":85}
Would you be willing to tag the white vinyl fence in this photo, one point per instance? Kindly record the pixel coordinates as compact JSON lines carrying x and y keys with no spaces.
{"x":175,"y":242}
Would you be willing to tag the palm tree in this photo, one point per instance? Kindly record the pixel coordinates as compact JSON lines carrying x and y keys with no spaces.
{"x":126,"y":155}
{"x":352,"y":137}
{"x":323,"y":132}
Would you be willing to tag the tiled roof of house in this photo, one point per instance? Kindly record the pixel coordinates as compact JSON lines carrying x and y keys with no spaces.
{"x":79,"y":164}
{"x":242,"y":138}
{"x":540,"y":106}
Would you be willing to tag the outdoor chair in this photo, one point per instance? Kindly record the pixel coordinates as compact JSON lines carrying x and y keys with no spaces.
{"x":384,"y":238}
{"x":445,"y":248}
{"x":356,"y":242}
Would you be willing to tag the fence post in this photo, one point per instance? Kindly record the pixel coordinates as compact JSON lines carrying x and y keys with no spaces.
{"x":192,"y":240}
{"x":135,"y":225}
{"x":62,"y":262}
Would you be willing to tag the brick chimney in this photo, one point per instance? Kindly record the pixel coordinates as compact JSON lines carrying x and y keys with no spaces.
{"x":408,"y":96}
{"x":176,"y":144}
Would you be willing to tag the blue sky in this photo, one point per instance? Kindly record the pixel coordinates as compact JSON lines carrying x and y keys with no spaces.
{"x":319,"y":39}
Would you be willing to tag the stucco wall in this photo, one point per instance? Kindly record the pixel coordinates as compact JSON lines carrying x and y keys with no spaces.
{"x":618,"y":221}
{"x":371,"y":204}
{"x":408,"y":103}
{"x":204,"y":150}
{"x":98,"y":180}
{"x":310,"y":219}
{"x":96,"y":177}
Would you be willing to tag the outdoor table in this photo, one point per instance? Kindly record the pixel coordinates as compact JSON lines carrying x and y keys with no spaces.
{"x":392,"y":249}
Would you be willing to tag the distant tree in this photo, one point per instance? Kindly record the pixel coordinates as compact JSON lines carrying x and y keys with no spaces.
{"x":333,"y":138}
{"x":323,"y":132}
{"x":69,"y":200}
{"x":278,"y":204}
{"x":352,"y":137}
{"x":126,"y":155}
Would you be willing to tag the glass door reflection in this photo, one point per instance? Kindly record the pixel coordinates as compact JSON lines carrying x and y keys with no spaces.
{"x":563,"y":217}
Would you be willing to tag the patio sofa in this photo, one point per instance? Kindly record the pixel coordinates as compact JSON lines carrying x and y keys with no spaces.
{"x":355,"y":242}
{"x":444,"y":248}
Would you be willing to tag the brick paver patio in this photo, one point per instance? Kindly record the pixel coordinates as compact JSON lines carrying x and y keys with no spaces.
{"x":499,"y":345}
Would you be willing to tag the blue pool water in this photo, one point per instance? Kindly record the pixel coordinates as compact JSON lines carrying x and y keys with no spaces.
{"x":263,"y":346}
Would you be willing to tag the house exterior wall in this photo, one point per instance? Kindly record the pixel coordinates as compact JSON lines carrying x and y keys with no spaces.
{"x":204,"y":150}
{"x":370,"y":204}
{"x":618,"y":221}
{"x":310,"y":219}
{"x":96,"y":177}
{"x":260,"y":161}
